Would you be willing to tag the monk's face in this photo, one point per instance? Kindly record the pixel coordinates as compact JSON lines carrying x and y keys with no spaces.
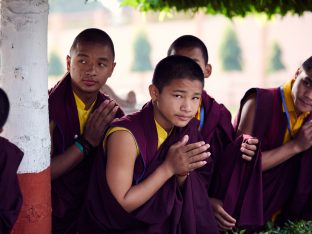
{"x":90,"y":65}
{"x":195,"y":54}
{"x":177,"y":103}
{"x":302,"y":92}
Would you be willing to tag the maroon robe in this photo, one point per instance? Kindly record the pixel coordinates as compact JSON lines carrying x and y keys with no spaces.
{"x":171,"y":209}
{"x":10,"y":194}
{"x":68,"y":191}
{"x":286,"y":187}
{"x":217,"y":130}
{"x":234,"y":180}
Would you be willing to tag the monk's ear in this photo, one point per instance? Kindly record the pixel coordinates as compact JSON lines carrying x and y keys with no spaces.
{"x":208,"y":70}
{"x":68,"y":59}
{"x":113,"y":67}
{"x":154,"y":93}
{"x":299,"y":70}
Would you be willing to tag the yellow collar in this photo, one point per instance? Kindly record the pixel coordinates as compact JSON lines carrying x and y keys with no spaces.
{"x":295,"y":121}
{"x":197,"y":116}
{"x":83,"y":114}
{"x":161,"y":133}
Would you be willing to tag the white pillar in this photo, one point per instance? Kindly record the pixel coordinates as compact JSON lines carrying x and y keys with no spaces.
{"x":23,"y":76}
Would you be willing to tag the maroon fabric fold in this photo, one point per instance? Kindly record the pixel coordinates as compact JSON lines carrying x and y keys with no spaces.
{"x":242,"y":182}
{"x":170,"y":210}
{"x":217,"y":129}
{"x":10,"y":193}
{"x":68,"y":191}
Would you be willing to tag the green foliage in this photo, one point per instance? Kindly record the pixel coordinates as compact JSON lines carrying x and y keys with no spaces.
{"x":142,"y":50}
{"x":236,"y":231}
{"x":298,"y":227}
{"x":229,"y":8}
{"x":55,"y":65}
{"x":230,"y":52}
{"x":275,"y":60}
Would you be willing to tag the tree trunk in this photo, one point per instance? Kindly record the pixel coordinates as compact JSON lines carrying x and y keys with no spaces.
{"x":24,"y":77}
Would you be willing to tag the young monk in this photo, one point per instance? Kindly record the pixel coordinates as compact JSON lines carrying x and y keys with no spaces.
{"x":216,"y":129}
{"x":79,"y":114}
{"x":10,"y":158}
{"x":154,"y":169}
{"x":281,"y":119}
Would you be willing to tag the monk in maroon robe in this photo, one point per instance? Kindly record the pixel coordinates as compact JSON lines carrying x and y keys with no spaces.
{"x":170,"y":210}
{"x":229,"y":154}
{"x":11,"y":197}
{"x":281,"y":119}
{"x":10,"y":158}
{"x":172,"y":207}
{"x":75,"y":138}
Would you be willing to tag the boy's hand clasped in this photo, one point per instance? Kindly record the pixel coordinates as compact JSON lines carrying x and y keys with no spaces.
{"x":98,"y":120}
{"x":183,"y":158}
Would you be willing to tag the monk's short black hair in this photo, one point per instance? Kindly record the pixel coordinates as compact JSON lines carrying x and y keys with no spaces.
{"x":93,"y":35}
{"x":4,"y":107}
{"x":307,"y":65}
{"x":189,"y":41}
{"x":176,"y":67}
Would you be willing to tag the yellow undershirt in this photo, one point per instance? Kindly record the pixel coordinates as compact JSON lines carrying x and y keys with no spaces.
{"x":161,"y":133}
{"x":197,"y":116}
{"x":83,"y":114}
{"x":295,"y":121}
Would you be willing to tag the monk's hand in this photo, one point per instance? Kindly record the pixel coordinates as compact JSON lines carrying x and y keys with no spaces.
{"x":224,"y":220}
{"x":303,"y":139}
{"x":183,"y":158}
{"x":98,"y":121}
{"x":248,"y":148}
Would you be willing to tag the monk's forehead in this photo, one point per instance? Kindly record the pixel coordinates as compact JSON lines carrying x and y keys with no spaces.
{"x":307,"y":75}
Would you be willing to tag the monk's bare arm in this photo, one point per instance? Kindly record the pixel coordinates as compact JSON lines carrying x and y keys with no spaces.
{"x":276,"y":156}
{"x":121,"y":156}
{"x":247,"y":116}
{"x":62,"y":163}
{"x":301,"y":142}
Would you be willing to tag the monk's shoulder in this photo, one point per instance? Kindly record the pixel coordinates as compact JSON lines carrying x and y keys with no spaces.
{"x":9,"y":151}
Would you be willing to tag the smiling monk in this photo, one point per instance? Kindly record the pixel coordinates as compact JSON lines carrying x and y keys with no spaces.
{"x":281,"y":119}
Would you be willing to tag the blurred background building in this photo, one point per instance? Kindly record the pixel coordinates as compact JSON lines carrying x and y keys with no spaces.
{"x":244,"y":52}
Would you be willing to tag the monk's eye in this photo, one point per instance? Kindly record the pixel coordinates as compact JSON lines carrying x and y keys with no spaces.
{"x":307,"y":83}
{"x":177,"y":95}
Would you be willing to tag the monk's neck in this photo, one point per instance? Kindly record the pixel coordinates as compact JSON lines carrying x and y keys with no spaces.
{"x":88,"y":101}
{"x":87,"y":98}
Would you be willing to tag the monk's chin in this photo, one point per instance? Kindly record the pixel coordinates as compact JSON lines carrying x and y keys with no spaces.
{"x":181,"y":124}
{"x":90,"y":89}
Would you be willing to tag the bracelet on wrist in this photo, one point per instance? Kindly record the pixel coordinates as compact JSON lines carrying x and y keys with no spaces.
{"x":84,"y":146}
{"x":79,"y":146}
